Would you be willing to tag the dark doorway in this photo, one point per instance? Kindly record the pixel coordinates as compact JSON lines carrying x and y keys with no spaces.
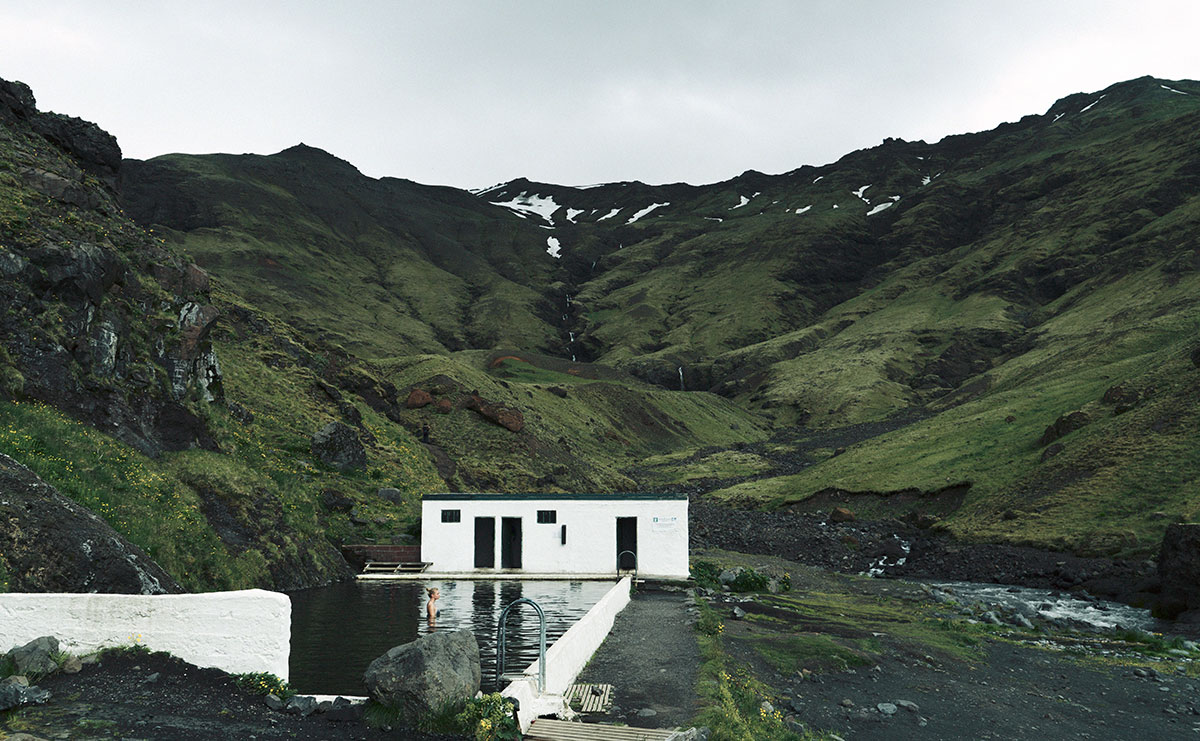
{"x":626,"y":543}
{"x":510,"y":543}
{"x":485,"y":542}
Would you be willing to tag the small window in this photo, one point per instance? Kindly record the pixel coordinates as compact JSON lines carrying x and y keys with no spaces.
{"x":564,"y":534}
{"x":547,"y":516}
{"x":452,"y":515}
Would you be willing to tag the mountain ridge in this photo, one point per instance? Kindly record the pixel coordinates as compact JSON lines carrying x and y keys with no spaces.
{"x":958,"y":301}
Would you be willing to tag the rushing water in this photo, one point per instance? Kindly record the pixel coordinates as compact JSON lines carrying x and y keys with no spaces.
{"x":1052,"y":605}
{"x":338,"y":630}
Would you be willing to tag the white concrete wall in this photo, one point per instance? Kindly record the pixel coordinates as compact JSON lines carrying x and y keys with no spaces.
{"x":566,"y":658}
{"x":239,"y":632}
{"x":662,"y":535}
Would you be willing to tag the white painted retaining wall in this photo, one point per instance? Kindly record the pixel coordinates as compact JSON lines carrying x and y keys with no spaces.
{"x":566,"y":658}
{"x":239,"y":632}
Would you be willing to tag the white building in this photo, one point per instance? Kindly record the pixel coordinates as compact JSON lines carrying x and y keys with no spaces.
{"x":545,"y":534}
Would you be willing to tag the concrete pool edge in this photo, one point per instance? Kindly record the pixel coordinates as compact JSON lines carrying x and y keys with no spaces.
{"x":566,"y":658}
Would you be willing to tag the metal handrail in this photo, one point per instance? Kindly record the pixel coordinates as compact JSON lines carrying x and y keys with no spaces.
{"x":622,"y":553}
{"x":501,"y":631}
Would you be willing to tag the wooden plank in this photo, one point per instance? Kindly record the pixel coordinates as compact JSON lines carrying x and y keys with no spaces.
{"x":593,"y":698}
{"x":546,"y":729}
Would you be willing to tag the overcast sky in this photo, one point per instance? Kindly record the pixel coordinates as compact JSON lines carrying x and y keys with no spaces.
{"x":471,"y":93}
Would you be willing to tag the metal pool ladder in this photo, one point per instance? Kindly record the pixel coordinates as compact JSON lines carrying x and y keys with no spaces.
{"x":619,"y":569}
{"x":501,"y":631}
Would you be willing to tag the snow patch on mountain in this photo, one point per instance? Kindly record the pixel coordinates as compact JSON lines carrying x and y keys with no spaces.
{"x":1173,"y":90}
{"x":572,"y":213}
{"x":881,"y":207}
{"x":553,"y":248}
{"x":802,"y":210}
{"x":744,"y":200}
{"x":525,"y":204}
{"x":1089,"y":105}
{"x":610,"y":214}
{"x":489,"y":189}
{"x":859,"y":194}
{"x":645,"y":211}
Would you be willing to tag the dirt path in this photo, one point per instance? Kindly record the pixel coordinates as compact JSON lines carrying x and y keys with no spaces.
{"x":652,"y":659}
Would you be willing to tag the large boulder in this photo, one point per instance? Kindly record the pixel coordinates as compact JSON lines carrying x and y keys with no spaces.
{"x":427,"y":675}
{"x":418,"y":398}
{"x":35,"y":658}
{"x":1179,"y":570}
{"x":13,"y":695}
{"x":337,"y":445}
{"x":510,"y":419}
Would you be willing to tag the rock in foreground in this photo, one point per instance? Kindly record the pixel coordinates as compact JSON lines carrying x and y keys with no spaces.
{"x":426,"y":675}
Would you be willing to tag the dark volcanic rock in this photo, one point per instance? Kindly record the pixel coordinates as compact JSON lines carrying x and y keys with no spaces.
{"x":421,"y":677}
{"x":35,"y":657}
{"x":337,"y":445}
{"x":1179,"y":570}
{"x":51,"y":544}
{"x":16,"y":99}
{"x":1063,"y":426}
{"x":15,"y":695}
{"x":93,"y":147}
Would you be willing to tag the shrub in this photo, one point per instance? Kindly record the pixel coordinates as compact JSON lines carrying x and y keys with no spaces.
{"x":705,"y":574}
{"x":489,"y":718}
{"x":264,"y":683}
{"x":749,"y":580}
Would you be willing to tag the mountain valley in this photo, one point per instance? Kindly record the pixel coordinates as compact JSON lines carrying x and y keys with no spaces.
{"x":998,"y":332}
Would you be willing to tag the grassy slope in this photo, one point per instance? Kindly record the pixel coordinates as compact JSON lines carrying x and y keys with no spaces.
{"x":372,"y":265}
{"x":249,"y":514}
{"x":579,"y":441}
{"x":1044,"y":262}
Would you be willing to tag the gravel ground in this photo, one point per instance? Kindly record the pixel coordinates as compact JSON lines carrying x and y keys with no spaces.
{"x":1022,"y":686}
{"x":157,"y":696}
{"x":652,"y":659}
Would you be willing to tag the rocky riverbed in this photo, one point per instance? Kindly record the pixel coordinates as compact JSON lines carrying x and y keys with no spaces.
{"x":869,"y":658}
{"x":905,"y":549}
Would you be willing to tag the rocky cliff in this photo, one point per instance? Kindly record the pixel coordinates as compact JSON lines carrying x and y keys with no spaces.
{"x":100,"y":321}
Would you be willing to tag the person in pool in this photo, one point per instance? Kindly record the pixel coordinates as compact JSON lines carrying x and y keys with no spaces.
{"x":431,"y":609}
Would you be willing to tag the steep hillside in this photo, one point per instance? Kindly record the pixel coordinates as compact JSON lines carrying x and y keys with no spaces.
{"x":972,"y":290}
{"x":1000,"y":329}
{"x":376,"y":266}
{"x":183,"y":418}
{"x":168,"y":408}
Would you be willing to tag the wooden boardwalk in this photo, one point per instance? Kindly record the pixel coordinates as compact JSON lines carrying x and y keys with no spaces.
{"x":546,"y":729}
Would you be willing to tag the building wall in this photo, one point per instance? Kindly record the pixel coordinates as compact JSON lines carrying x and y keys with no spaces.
{"x":662,"y":534}
{"x":239,"y":632}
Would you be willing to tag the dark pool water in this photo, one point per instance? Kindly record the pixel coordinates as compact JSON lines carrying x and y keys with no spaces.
{"x":338,"y":630}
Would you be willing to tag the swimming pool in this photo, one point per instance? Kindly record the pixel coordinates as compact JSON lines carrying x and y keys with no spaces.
{"x":338,"y":630}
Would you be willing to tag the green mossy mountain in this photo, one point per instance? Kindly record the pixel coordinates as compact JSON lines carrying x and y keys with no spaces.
{"x":911,"y":318}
